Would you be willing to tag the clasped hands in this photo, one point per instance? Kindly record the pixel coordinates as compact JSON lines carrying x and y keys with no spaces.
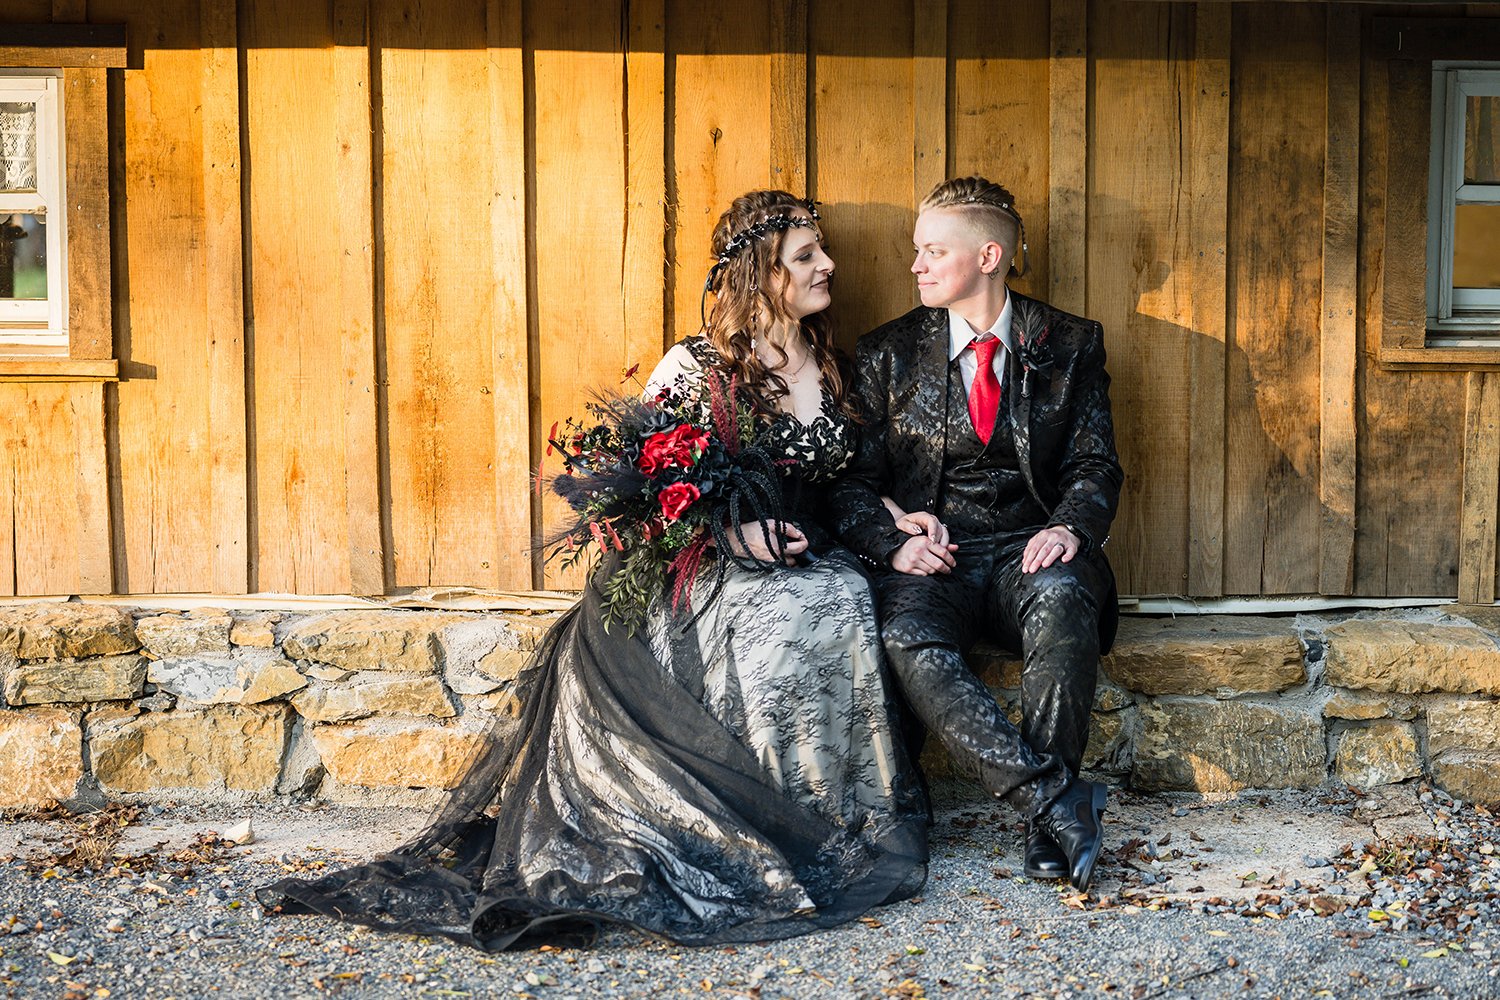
{"x":930,"y":551}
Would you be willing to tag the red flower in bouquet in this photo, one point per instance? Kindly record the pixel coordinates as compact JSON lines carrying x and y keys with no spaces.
{"x":680,"y":446}
{"x":676,"y":499}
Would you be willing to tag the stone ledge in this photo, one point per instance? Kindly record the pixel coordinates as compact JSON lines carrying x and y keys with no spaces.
{"x":362,"y":706}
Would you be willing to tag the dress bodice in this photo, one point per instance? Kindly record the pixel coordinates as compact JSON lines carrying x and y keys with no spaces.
{"x":818,"y":450}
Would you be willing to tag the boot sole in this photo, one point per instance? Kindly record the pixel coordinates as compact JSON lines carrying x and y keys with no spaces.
{"x":1084,"y":877}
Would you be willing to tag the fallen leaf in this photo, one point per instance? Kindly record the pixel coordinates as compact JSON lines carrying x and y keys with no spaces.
{"x":60,"y":959}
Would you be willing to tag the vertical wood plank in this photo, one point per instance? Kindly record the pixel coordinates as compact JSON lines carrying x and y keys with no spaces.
{"x":999,"y":121}
{"x":511,"y":355}
{"x":12,"y":398}
{"x":316,"y":472}
{"x":356,"y":279}
{"x":864,"y":135}
{"x":929,"y":96}
{"x":728,"y":108}
{"x":580,"y":175}
{"x":1405,"y":313}
{"x":643,"y":318}
{"x":225,"y":327}
{"x":161,"y":418}
{"x":1408,"y":496}
{"x":1067,"y":157}
{"x":1209,"y":223}
{"x":439,"y":295}
{"x":1336,"y":443}
{"x":47,"y":550}
{"x":1479,"y":522}
{"x":87,"y":140}
{"x":789,"y":95}
{"x":1140,"y":265}
{"x":95,"y":567}
{"x":1277,"y":136}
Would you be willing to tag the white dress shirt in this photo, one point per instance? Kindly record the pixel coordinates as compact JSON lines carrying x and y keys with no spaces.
{"x":961,"y":335}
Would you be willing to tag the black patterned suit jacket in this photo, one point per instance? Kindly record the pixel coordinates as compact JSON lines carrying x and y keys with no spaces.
{"x":1058,"y":392}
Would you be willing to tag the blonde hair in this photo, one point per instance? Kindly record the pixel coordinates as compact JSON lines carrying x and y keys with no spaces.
{"x":989,"y":209}
{"x":748,"y":283}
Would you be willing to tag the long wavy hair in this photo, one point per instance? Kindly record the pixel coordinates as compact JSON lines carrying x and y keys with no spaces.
{"x":748,"y":287}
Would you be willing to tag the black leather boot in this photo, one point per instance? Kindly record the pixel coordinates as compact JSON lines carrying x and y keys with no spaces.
{"x":1075,"y":821}
{"x":1043,"y":858}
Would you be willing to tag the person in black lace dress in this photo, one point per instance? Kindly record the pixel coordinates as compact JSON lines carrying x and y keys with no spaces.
{"x":731,"y":775}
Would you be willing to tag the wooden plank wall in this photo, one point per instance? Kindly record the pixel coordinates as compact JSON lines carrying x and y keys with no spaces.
{"x":368,"y":251}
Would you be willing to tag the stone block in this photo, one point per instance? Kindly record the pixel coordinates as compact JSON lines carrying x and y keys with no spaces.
{"x":1205,"y":654}
{"x":43,"y":754}
{"x":244,"y":679}
{"x":481,"y":653}
{"x":1486,"y":616}
{"x":65,"y":631}
{"x":1473,"y":777}
{"x":1109,"y":742}
{"x":382,"y":754}
{"x":168,"y":636}
{"x":1462,"y":724}
{"x":405,"y":641}
{"x":1381,"y":753}
{"x":218,"y":748}
{"x":1219,"y":746}
{"x":106,"y":678}
{"x":503,"y":664}
{"x":268,"y":681}
{"x":255,"y":630}
{"x":372,"y":693}
{"x":1359,"y":705}
{"x":1405,"y":657}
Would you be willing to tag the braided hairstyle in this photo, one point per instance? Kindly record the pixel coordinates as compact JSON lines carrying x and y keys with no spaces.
{"x":990,"y":210}
{"x":746,"y":284}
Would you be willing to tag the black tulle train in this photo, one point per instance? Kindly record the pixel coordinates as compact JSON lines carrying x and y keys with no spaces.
{"x":616,"y":797}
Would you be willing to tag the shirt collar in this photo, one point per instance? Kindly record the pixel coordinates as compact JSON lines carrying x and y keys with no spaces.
{"x":960,"y":334}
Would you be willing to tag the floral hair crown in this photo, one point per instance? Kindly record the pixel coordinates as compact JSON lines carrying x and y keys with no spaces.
{"x":754,"y":233}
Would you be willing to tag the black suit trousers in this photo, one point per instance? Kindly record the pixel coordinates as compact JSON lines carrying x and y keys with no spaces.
{"x":1050,"y":618}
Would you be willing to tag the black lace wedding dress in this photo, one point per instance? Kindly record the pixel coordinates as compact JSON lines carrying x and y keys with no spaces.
{"x":739,"y":779}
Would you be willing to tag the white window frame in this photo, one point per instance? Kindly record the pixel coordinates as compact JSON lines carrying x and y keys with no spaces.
{"x":1456,"y":317}
{"x":41,"y":323}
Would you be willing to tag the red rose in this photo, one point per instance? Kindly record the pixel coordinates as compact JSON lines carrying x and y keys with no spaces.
{"x":656,"y":454}
{"x":680,"y":446}
{"x":690,"y":443}
{"x":676,"y":499}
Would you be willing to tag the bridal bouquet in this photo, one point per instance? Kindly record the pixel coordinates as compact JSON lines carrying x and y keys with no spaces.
{"x":661,"y":481}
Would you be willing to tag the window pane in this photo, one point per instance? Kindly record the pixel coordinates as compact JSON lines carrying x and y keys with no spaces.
{"x":1481,"y":141}
{"x":18,"y":146}
{"x":1476,"y":246}
{"x":23,"y":256}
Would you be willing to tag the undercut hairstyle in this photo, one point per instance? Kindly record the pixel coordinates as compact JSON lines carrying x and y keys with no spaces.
{"x":748,"y":285}
{"x":990,"y":211}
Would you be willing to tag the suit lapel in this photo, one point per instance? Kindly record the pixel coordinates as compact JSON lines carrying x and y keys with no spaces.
{"x":1025,"y":324}
{"x":923,"y":392}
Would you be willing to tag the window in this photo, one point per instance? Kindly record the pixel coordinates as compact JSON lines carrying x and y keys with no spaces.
{"x":1463,"y":205}
{"x":33,"y":269}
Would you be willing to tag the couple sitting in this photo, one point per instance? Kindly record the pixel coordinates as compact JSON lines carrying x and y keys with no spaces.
{"x":745,"y":775}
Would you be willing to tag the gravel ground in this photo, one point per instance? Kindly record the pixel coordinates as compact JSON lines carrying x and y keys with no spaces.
{"x":1290,"y":894}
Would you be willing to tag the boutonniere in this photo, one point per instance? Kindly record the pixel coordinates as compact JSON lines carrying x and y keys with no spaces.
{"x":1036,"y":356}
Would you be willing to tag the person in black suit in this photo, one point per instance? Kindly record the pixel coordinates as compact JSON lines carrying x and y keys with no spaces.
{"x":981,"y":495}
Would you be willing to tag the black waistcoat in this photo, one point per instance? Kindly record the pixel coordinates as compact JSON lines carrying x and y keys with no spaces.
{"x":983,"y":491}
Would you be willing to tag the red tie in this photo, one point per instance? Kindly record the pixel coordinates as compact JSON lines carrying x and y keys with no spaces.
{"x":984,"y":394}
